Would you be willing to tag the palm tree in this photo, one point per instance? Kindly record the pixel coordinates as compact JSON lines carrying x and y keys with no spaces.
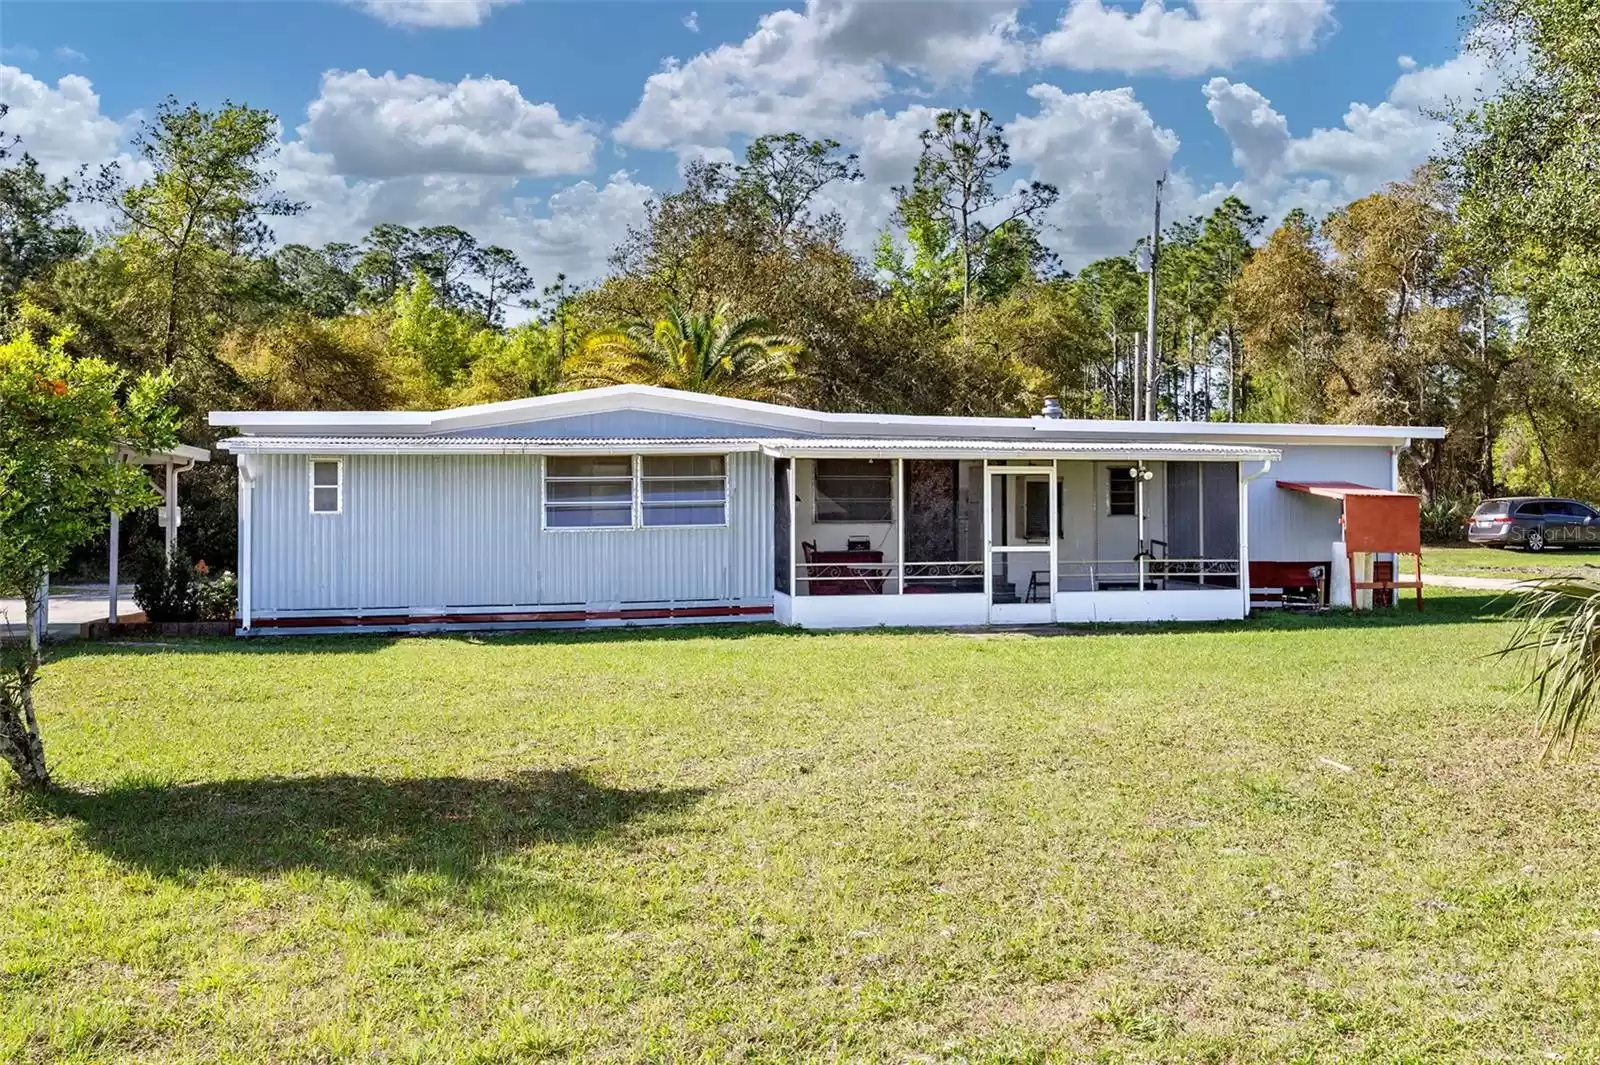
{"x":720,"y":353}
{"x":1559,"y":631}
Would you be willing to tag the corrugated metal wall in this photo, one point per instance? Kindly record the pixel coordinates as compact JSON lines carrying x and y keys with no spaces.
{"x":431,"y":532}
{"x":1294,"y":527}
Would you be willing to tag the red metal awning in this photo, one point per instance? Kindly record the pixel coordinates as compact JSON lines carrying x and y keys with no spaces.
{"x":1375,"y":519}
{"x":1336,"y":489}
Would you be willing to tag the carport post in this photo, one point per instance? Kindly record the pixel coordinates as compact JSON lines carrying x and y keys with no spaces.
{"x":171,"y":508}
{"x":116,"y":536}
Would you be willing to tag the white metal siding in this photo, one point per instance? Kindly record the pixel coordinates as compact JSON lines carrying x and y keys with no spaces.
{"x":1290,"y":526}
{"x":424,"y":532}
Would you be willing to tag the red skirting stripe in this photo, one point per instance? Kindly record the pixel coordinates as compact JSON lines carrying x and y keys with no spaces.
{"x":518,"y":618}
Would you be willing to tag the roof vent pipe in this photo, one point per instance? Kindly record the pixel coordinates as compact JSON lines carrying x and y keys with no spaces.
{"x":1052,"y":407}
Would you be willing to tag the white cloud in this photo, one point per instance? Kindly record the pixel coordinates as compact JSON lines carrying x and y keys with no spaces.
{"x":774,"y":80}
{"x":430,"y":14}
{"x":1183,"y":41}
{"x":61,"y":126}
{"x":68,"y":54}
{"x":1104,"y":152}
{"x":572,"y":231}
{"x":812,"y":71}
{"x":21,"y":52}
{"x":943,"y":39}
{"x":1377,"y":143}
{"x":691,"y":22}
{"x":1260,"y":135}
{"x":1328,"y":167}
{"x":392,"y":126}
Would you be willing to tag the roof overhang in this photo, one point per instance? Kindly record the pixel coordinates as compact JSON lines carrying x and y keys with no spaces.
{"x":1044,"y":450}
{"x":422,"y":445}
{"x":780,"y":448}
{"x":797,"y":421}
{"x":177,"y":453}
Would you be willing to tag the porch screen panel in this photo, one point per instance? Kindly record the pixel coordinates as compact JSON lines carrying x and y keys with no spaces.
{"x":1219,"y":486}
{"x":782,"y":532}
{"x":1183,"y":510}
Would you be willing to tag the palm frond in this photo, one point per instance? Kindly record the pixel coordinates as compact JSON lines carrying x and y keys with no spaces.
{"x":1558,"y":633}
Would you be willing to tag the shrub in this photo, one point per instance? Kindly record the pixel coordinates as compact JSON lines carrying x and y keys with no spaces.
{"x":164,"y":591}
{"x":1444,"y":521}
{"x":216,"y":596}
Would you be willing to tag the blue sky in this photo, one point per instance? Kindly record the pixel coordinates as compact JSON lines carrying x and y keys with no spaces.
{"x":546,"y":126}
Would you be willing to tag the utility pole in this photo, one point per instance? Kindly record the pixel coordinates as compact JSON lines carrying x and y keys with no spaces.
{"x":1150,"y":316}
{"x":1135,"y":359}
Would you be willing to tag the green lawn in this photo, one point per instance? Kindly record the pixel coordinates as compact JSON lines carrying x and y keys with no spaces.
{"x":1506,"y":562}
{"x":1294,"y":839}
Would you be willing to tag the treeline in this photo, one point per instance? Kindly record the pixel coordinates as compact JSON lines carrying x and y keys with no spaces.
{"x":1462,"y":297}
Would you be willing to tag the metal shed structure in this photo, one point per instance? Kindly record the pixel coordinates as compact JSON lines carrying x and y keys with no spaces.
{"x":1375,"y":521}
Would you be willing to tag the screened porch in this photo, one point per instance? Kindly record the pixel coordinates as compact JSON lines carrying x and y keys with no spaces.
{"x":870,"y":539}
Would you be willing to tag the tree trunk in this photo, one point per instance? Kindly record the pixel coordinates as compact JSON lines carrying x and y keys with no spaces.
{"x":20,"y":742}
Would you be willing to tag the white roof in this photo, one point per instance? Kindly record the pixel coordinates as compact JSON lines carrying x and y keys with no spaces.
{"x":478,"y":445}
{"x":796,"y":420}
{"x":176,"y":453}
{"x":800,"y":447}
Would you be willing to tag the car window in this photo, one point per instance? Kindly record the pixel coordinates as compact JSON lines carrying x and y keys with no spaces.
{"x":1561,"y":508}
{"x":1490,"y":507}
{"x":1530,"y":510}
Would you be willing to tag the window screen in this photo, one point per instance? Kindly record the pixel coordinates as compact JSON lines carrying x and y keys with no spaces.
{"x":683,"y":490}
{"x":1122,"y":496}
{"x":588,"y":492}
{"x":854,"y":490}
{"x":327,"y":487}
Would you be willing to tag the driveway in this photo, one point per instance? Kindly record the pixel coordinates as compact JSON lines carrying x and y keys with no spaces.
{"x":1495,"y":584}
{"x":70,"y":606}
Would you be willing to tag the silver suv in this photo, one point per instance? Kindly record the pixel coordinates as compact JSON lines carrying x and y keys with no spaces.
{"x":1534,"y":523}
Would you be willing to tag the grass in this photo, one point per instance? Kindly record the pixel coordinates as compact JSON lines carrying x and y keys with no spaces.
{"x":1505,"y":562}
{"x":1293,"y":839}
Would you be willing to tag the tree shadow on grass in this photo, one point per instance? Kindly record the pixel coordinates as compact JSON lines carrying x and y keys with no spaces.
{"x":368,"y":829}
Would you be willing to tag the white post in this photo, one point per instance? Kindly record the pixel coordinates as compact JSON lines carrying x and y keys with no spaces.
{"x":247,"y":484}
{"x":988,"y":544}
{"x":794,"y":530}
{"x":1144,"y":561}
{"x":171,"y":508}
{"x":1244,"y":539}
{"x":111,"y":565}
{"x":1055,"y":535}
{"x":900,"y":523}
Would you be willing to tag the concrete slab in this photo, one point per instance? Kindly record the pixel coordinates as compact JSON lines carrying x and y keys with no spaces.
{"x":70,"y":606}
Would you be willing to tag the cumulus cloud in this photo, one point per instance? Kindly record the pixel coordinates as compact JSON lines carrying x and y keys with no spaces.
{"x":940,"y":38}
{"x":691,"y":22}
{"x":1104,"y":152}
{"x":1185,"y":40}
{"x":1259,"y":135}
{"x":812,"y":71}
{"x":60,"y":125}
{"x":430,"y":14}
{"x":1375,"y":144}
{"x":392,"y":126}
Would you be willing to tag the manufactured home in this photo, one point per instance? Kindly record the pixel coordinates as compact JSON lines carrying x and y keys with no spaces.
{"x":640,"y":505}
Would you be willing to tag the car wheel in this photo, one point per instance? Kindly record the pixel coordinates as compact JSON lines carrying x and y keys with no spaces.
{"x":1535,"y":541}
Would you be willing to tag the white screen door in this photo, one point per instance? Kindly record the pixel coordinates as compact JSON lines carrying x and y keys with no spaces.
{"x":1020,"y":531}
